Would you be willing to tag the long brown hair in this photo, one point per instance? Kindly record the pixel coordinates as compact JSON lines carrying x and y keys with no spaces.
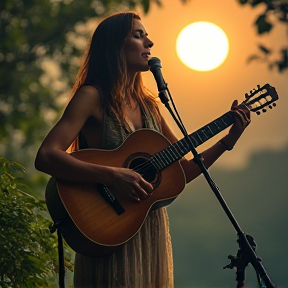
{"x":104,"y":66}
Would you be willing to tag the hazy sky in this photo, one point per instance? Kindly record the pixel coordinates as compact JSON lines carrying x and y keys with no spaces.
{"x":201,"y":97}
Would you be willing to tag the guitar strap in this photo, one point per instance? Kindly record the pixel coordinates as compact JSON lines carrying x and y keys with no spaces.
{"x":56,"y":226}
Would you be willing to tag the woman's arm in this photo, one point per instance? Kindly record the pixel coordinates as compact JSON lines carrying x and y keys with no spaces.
{"x":191,"y":169}
{"x":52,"y":157}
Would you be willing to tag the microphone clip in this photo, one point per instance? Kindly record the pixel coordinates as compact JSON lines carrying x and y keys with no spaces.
{"x":163,"y":95}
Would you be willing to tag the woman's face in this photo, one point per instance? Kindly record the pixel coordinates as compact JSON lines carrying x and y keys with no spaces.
{"x":137,"y":48}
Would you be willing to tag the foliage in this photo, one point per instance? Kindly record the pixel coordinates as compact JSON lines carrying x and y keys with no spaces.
{"x":28,"y":252}
{"x":274,"y":9}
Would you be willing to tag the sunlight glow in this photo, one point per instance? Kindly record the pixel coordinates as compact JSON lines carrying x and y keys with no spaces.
{"x":202,"y":46}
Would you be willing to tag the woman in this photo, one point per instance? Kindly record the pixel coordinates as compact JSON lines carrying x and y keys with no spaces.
{"x":109,"y":102}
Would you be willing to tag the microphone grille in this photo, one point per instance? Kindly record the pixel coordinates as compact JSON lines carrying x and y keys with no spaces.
{"x":154,"y":62}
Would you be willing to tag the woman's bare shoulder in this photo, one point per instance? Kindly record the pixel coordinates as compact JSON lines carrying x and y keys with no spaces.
{"x":88,"y":93}
{"x":87,"y":101}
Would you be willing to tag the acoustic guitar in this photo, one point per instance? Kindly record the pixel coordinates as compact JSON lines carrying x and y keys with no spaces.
{"x":92,"y":220}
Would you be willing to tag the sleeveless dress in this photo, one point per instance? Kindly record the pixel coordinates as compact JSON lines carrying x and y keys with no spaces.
{"x":146,"y":260}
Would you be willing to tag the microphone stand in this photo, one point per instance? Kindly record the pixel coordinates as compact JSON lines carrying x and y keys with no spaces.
{"x":247,"y":246}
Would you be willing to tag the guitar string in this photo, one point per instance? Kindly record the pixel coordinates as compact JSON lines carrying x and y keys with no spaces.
{"x":162,"y":161}
{"x":147,"y":165}
{"x":144,"y":167}
{"x":158,"y":159}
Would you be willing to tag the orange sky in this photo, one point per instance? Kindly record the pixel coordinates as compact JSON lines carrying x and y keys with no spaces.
{"x":201,"y":97}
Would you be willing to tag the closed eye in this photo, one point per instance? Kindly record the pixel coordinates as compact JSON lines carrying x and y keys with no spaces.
{"x":139,"y":33}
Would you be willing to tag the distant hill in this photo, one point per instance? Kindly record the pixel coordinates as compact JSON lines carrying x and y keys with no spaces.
{"x":203,"y":236}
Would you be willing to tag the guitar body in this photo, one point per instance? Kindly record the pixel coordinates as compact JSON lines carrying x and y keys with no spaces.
{"x":88,"y":223}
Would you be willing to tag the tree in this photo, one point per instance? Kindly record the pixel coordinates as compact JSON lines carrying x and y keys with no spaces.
{"x":28,"y":252}
{"x":277,"y":10}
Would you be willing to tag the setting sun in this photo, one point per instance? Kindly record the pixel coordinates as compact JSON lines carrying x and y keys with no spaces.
{"x":202,"y":46}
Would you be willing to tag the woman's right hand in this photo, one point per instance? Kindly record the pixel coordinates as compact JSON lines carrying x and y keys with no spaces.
{"x":130,"y":185}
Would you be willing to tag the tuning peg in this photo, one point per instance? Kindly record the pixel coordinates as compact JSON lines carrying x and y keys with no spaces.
{"x":258,"y":112}
{"x":264,"y":110}
{"x":258,"y":87}
{"x":246,"y":95}
{"x":274,"y":104}
{"x":270,"y":106}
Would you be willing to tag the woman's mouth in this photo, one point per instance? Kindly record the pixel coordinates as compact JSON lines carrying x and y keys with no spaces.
{"x":146,"y":55}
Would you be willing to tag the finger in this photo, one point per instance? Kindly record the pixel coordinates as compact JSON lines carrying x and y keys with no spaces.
{"x":134,"y":197}
{"x":242,"y":117}
{"x":148,"y":187}
{"x":142,"y":189}
{"x":234,"y":104}
{"x":244,"y":114}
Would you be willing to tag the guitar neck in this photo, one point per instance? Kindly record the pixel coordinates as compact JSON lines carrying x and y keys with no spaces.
{"x":176,"y":151}
{"x":210,"y":130}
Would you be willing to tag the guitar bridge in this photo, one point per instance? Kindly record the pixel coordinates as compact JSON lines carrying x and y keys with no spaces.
{"x":107,"y":195}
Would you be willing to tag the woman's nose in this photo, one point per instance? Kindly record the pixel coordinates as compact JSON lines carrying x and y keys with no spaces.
{"x":149,"y":43}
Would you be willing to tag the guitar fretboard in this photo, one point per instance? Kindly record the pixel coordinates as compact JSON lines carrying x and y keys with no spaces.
{"x":177,"y":150}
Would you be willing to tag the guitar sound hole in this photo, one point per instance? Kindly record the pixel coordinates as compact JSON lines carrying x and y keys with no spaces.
{"x":142,"y":165}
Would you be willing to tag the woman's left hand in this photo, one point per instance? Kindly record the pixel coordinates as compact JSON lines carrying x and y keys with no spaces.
{"x":242,"y":119}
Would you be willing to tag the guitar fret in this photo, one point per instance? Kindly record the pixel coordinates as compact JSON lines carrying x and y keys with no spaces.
{"x":194,"y":141}
{"x":165,"y":159}
{"x":200,"y":139}
{"x":210,"y":130}
{"x":163,"y":165}
{"x":174,"y":151}
{"x":182,"y":152}
{"x":218,"y":126}
{"x":223,"y":121}
{"x":155,"y":163}
{"x":170,"y":152}
{"x":186,"y":146}
{"x":204,"y":133}
{"x":214,"y":122}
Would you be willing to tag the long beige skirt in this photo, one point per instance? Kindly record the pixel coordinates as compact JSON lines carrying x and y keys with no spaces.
{"x":143,"y":262}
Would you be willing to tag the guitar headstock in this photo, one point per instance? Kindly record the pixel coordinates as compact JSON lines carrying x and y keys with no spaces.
{"x":260,"y":98}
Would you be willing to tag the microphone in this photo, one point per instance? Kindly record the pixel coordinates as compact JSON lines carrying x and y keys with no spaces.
{"x":155,"y":67}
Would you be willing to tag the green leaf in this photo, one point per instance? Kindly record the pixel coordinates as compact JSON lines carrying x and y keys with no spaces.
{"x":283,"y":63}
{"x":146,"y":5}
{"x":254,"y":3}
{"x":253,"y":58}
{"x":264,"y":49}
{"x":263,"y":25}
{"x":243,"y":2}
